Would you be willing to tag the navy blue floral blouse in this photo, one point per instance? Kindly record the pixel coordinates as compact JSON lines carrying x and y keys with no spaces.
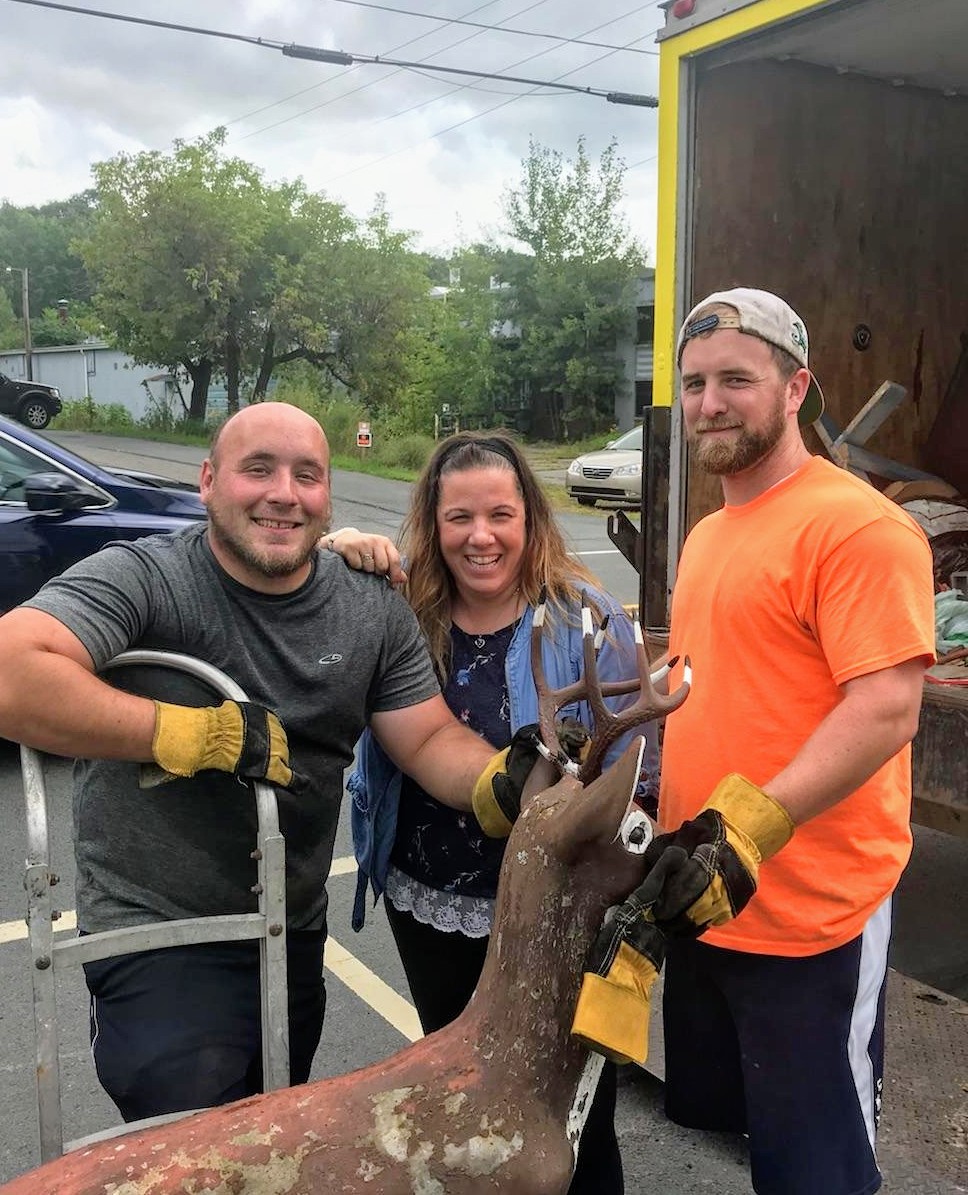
{"x":436,"y":845}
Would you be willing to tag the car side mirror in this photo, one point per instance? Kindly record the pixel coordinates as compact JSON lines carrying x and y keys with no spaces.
{"x":55,"y":493}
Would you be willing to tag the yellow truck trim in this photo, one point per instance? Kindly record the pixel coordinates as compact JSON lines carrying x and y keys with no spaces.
{"x":672,"y":51}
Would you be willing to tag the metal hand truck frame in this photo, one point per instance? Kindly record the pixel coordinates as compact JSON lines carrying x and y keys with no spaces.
{"x":49,"y":956}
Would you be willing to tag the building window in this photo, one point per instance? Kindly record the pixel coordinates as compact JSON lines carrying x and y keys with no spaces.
{"x":643,"y":397}
{"x":644,"y":324}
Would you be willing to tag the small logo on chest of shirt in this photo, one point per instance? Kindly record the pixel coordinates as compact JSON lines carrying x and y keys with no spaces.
{"x":334,"y":657}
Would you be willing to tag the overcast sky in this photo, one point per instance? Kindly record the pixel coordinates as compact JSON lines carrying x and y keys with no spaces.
{"x":77,"y":89}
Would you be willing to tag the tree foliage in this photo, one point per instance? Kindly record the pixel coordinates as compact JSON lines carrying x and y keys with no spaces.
{"x":194,"y":263}
{"x":201,"y":263}
{"x":11,"y":327}
{"x":40,"y":238}
{"x":572,"y":295}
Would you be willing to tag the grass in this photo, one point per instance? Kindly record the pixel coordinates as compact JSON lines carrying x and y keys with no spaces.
{"x":543,"y":456}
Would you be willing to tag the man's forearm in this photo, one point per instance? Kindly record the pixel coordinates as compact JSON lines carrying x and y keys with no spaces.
{"x":85,"y":717}
{"x":52,"y":702}
{"x":853,"y":741}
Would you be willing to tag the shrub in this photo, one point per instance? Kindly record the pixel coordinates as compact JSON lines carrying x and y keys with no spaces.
{"x":404,"y":452}
{"x":85,"y":415}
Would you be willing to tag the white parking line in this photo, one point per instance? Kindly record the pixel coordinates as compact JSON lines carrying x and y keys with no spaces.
{"x":370,"y":988}
{"x":348,"y":969}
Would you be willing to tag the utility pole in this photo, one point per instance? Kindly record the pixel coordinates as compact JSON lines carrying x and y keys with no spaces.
{"x":25,"y":306}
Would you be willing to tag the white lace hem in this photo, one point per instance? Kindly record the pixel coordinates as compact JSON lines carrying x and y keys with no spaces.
{"x":450,"y":912}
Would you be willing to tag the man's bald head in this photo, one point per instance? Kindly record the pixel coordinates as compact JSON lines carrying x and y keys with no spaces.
{"x":264,"y":415}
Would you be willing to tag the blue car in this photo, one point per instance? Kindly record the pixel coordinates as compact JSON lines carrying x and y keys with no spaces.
{"x":56,"y":508}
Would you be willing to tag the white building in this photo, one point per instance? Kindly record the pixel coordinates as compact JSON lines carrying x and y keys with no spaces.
{"x":95,"y":369}
{"x":107,"y":375}
{"x":634,"y":393}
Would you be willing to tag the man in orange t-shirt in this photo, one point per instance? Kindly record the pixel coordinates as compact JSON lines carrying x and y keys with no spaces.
{"x":806,"y":607}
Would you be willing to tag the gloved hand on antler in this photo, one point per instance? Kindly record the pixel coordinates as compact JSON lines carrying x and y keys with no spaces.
{"x":496,"y":798}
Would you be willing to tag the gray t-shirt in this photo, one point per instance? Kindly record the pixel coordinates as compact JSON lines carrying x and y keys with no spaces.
{"x":324,"y":658}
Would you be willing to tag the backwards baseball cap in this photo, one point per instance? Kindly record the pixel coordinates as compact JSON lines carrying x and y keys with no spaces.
{"x":758,"y":313}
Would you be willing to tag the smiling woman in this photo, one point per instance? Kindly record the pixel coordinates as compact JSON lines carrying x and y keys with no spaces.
{"x":483,"y":549}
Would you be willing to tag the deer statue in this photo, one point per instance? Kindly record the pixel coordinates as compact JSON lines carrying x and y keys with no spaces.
{"x":494,"y":1101}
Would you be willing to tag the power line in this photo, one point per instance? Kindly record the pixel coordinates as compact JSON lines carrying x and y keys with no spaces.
{"x":453,"y":91}
{"x":341,"y":58}
{"x":353,"y":90}
{"x":478,"y":115}
{"x":575,"y":41}
{"x":374,"y":82}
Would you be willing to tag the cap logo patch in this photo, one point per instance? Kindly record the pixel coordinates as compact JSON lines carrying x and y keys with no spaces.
{"x":697,"y":327}
{"x":798,"y":335}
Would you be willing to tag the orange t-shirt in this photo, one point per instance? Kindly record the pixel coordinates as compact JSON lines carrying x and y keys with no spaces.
{"x":778,"y":602}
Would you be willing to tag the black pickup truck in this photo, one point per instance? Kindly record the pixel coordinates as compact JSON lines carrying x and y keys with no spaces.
{"x":33,"y":403}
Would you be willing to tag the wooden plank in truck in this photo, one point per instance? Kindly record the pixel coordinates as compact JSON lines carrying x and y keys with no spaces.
{"x":940,"y":761}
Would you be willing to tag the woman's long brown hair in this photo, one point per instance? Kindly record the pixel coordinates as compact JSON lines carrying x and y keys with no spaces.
{"x":546,"y":566}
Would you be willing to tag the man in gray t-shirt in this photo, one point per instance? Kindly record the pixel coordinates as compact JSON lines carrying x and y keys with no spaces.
{"x":325,"y":649}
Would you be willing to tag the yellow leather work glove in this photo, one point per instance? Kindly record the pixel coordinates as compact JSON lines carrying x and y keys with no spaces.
{"x":238,"y":737}
{"x":711,"y":863}
{"x":496,"y":798}
{"x":614,"y":1003}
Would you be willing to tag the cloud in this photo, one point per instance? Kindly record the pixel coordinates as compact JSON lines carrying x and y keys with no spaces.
{"x":77,"y":89}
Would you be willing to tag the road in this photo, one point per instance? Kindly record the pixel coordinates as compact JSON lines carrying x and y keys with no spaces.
{"x":368,"y":1016}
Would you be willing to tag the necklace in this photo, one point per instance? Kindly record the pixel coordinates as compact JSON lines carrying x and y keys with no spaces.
{"x":479,"y":638}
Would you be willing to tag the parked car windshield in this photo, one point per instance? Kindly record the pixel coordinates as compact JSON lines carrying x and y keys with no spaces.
{"x":628,"y":440}
{"x":18,"y":463}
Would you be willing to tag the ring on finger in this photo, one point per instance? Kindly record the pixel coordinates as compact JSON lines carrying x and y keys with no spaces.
{"x":366,"y":556}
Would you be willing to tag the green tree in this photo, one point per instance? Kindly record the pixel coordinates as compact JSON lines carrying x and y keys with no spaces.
{"x":40,"y":239}
{"x":168,"y":249}
{"x":352,"y":305}
{"x":11,"y":327}
{"x":71,"y":325}
{"x":462,"y":347}
{"x":201,"y":264}
{"x":571,"y":297}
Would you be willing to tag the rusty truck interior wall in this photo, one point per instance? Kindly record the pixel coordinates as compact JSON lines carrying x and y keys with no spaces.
{"x":875,"y":255}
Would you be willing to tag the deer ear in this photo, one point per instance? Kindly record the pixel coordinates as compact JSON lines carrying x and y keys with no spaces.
{"x":597,"y":812}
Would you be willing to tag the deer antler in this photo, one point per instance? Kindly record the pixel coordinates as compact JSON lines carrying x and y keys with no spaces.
{"x":607,"y":726}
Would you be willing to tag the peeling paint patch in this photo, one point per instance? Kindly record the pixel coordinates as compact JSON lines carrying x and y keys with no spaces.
{"x":522,"y":857}
{"x":276,"y":1176}
{"x":422,"y":1181}
{"x":253,"y":1137}
{"x":584,"y":1094}
{"x":368,"y":1170}
{"x":454,"y":1103}
{"x":392,"y":1128}
{"x":481,"y":1156}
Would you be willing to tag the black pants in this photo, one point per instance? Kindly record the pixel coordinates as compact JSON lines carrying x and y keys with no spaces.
{"x":429,"y":954}
{"x":181,"y":1028}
